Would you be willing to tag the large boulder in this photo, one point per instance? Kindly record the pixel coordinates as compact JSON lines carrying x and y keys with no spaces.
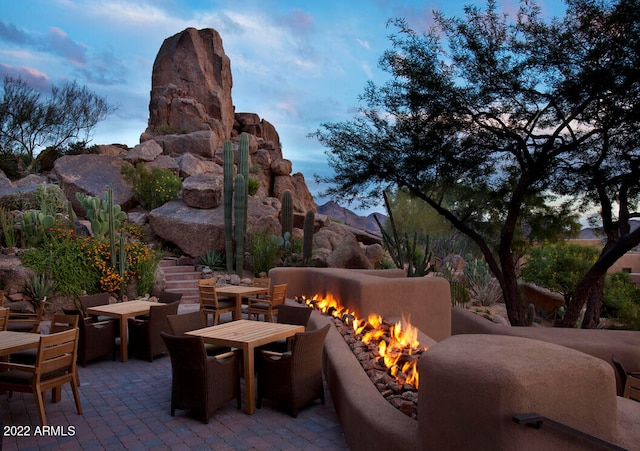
{"x":302,"y":198}
{"x":349,"y":254}
{"x":92,"y":175}
{"x":196,"y":230}
{"x":190,"y":164}
{"x":202,"y":191}
{"x":191,"y":85}
{"x":203,"y":143}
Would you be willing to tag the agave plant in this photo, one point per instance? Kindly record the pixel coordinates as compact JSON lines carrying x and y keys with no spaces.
{"x":39,"y":287}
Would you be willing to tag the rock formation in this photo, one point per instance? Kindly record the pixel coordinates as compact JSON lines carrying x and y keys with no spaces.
{"x":190,"y":116}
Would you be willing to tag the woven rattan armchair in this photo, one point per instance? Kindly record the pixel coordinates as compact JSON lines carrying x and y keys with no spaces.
{"x":179,"y":324}
{"x":167,"y":297}
{"x":97,"y":338}
{"x":267,"y":305}
{"x":293,"y":379}
{"x":144,"y":334}
{"x":288,"y":314}
{"x":55,"y":366}
{"x":200,"y":384}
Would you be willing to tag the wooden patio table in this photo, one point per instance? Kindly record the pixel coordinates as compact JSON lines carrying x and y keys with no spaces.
{"x":123,"y":311}
{"x":238,"y":292}
{"x":246,"y":335}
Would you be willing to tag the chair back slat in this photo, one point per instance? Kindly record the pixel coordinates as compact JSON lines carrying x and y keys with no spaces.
{"x":278,"y":294}
{"x":57,"y":351}
{"x":4,"y":318}
{"x":208,"y":295}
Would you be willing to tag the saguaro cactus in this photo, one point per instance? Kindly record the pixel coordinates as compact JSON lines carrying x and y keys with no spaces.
{"x":307,"y":237}
{"x":240,"y":213}
{"x":227,"y":166}
{"x":243,"y":164}
{"x":286,"y":215}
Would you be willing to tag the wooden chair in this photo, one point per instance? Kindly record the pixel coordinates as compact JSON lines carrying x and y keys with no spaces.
{"x":179,"y":324}
{"x":268,"y":305}
{"x":4,"y":318}
{"x":97,"y":338}
{"x":293,"y":379}
{"x":144,"y":334}
{"x":200,"y":384}
{"x":260,"y":282}
{"x":209,"y":302}
{"x":27,"y":322}
{"x":55,"y":366}
{"x":59,"y":323}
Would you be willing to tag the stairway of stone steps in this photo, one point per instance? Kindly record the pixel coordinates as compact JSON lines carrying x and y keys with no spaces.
{"x":181,"y":279}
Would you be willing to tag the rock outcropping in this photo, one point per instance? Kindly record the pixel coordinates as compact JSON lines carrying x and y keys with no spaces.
{"x":191,"y":114}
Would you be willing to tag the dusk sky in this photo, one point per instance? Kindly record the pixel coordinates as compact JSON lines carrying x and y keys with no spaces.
{"x":296,"y":64}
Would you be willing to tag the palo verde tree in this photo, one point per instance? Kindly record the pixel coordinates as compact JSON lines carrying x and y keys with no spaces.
{"x":479,"y":110}
{"x":604,"y":74}
{"x":31,"y":121}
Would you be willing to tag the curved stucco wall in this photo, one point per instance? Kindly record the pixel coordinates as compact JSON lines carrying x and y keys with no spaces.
{"x":424,"y":301}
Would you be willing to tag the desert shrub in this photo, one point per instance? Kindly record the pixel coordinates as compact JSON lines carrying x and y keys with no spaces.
{"x":7,"y":222}
{"x":480,"y":282}
{"x":253,"y":186}
{"x":621,"y":300}
{"x":154,"y":187}
{"x":264,"y":250}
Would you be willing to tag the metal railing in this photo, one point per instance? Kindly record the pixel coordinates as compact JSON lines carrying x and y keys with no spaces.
{"x":536,"y":421}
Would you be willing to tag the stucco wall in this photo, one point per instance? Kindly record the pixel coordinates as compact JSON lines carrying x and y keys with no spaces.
{"x":424,"y":301}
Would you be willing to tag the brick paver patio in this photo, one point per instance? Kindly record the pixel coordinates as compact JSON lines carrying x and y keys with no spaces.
{"x":126,"y":406}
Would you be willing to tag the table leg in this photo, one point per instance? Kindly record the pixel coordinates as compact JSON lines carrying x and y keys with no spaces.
{"x":124,"y":356}
{"x":249,"y":380}
{"x":238,"y":312}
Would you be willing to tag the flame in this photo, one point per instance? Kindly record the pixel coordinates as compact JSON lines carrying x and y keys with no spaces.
{"x":392,"y":350}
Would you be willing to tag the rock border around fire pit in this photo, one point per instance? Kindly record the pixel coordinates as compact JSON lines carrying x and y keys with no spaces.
{"x":369,"y":422}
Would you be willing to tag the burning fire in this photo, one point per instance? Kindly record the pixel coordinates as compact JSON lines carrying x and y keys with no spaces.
{"x":397,"y":345}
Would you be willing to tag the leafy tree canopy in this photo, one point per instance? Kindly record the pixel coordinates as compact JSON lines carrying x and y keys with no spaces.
{"x":30,"y":121}
{"x":491,"y":113}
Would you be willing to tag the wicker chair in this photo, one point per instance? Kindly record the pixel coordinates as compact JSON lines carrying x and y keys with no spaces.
{"x":167,"y":297}
{"x":55,"y":366}
{"x":209,"y":302}
{"x":200,"y":384}
{"x":27,"y":322}
{"x":267,"y":305}
{"x":144,"y":334}
{"x":630,"y":381}
{"x":179,"y":324}
{"x":293,"y":379}
{"x":97,"y":338}
{"x":288,"y":314}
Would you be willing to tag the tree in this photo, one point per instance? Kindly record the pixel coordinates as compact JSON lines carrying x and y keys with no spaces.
{"x":606,"y":173}
{"x":559,"y":267}
{"x":29,"y":122}
{"x":479,"y":109}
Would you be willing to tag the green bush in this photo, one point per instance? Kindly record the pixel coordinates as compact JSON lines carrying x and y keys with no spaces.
{"x":253,"y":186}
{"x":264,"y":250}
{"x":153,"y":188}
{"x":621,"y":300}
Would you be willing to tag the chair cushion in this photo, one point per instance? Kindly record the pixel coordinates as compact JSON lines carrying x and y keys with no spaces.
{"x":260,"y":306}
{"x":226,"y":304}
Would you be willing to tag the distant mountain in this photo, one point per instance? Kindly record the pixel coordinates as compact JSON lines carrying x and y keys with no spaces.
{"x":593,"y":233}
{"x":348,"y":217}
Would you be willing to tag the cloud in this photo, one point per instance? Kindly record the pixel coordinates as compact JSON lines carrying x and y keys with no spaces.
{"x":60,"y":43}
{"x":13,"y":34}
{"x":31,"y":76}
{"x":364,"y":44}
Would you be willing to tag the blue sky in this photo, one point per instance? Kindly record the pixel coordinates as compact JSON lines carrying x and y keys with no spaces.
{"x":294,"y":63}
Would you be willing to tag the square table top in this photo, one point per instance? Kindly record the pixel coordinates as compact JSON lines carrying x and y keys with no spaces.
{"x":240,"y":289}
{"x":242,"y":332}
{"x":11,"y":341}
{"x":136,"y":307}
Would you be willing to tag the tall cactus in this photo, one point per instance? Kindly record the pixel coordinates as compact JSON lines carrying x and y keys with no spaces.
{"x":112,"y":226}
{"x":307,"y":237}
{"x":243,"y":164}
{"x":240,"y":214}
{"x":123,"y":266}
{"x":228,"y":202}
{"x":286,"y":215}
